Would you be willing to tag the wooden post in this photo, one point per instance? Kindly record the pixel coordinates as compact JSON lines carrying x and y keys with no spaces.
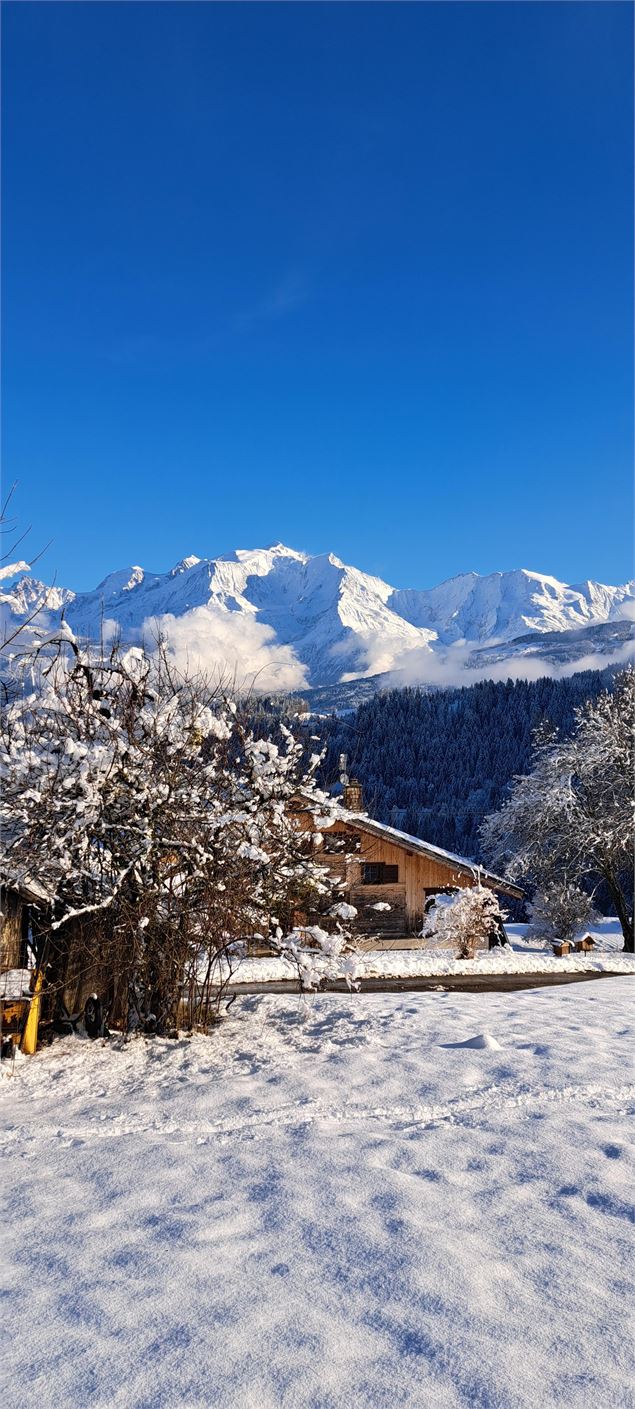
{"x":29,"y":1038}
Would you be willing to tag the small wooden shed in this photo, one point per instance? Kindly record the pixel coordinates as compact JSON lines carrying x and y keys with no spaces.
{"x":21,"y":902}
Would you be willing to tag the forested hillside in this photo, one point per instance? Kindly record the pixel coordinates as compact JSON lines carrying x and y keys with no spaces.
{"x":435,"y":764}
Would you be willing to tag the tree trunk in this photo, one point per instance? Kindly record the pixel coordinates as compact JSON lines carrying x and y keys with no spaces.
{"x":622,"y":911}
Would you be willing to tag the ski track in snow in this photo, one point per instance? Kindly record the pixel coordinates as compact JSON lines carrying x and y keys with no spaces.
{"x":328,"y":1203}
{"x":461,"y":1111}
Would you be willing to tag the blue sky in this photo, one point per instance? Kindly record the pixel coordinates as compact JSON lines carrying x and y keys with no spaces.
{"x":353,"y":276}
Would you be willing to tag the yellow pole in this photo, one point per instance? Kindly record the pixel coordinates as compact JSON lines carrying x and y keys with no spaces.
{"x":29,"y":1037}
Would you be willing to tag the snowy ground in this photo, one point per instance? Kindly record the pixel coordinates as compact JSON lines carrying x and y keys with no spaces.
{"x":337,"y":1203}
{"x":520,"y":956}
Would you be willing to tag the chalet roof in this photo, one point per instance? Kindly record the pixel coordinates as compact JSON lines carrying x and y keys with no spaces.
{"x":25,"y":886}
{"x":364,"y":823}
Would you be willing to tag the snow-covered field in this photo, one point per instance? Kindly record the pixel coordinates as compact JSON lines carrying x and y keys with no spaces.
{"x":375,"y":1200}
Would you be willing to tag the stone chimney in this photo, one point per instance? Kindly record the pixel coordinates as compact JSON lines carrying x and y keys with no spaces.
{"x":352,"y":796}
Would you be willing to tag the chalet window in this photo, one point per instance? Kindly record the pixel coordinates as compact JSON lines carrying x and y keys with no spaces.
{"x":377,"y":873}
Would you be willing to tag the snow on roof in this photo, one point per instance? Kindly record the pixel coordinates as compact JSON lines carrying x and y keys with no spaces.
{"x":361,"y":819}
{"x":26,"y":886}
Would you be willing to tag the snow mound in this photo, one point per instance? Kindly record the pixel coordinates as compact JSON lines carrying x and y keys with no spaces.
{"x":483,"y":1041}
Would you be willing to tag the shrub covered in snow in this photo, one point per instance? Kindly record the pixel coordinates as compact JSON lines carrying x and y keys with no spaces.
{"x":318,"y":954}
{"x":558,"y":912}
{"x":343,"y":911}
{"x":464,"y":921}
{"x":160,"y":829}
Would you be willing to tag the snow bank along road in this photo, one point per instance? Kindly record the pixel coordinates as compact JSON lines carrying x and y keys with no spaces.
{"x":522,"y":959}
{"x":379,"y":1200}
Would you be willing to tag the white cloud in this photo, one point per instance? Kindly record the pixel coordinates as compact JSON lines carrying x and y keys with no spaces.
{"x":451,"y":668}
{"x":228,"y":646}
{"x":448,"y":666}
{"x":110,"y":630}
{"x":377,"y":653}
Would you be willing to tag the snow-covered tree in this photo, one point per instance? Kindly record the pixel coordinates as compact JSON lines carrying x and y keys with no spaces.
{"x":570,"y":821}
{"x":560,"y":911}
{"x":158,"y":827}
{"x":464,"y":921}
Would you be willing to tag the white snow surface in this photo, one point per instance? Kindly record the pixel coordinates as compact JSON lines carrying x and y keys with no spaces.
{"x":520,"y":956}
{"x":350,"y":1202}
{"x":15,"y":983}
{"x":417,"y":963}
{"x":336,"y":622}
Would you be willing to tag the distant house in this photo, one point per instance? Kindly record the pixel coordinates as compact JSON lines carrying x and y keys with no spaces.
{"x":389,"y":876}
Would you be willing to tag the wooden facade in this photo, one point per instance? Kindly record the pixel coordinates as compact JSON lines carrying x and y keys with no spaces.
{"x":378,"y":866}
{"x":11,"y":929}
{"x":19,"y":903}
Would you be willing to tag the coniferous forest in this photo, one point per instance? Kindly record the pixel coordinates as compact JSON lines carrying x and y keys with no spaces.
{"x":434,"y":764}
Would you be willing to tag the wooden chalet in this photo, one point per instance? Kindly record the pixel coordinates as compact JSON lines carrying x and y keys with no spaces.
{"x":379,"y":866}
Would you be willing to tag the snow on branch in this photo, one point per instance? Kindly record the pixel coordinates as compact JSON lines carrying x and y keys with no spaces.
{"x":164,"y":832}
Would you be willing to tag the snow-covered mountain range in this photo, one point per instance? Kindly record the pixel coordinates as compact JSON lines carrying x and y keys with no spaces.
{"x":297,"y":620}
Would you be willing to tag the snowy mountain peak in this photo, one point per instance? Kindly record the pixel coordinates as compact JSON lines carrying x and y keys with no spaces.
{"x":281,"y":550}
{"x":264,"y":555}
{"x":325,"y":621}
{"x":124,"y":580}
{"x":184,"y":565}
